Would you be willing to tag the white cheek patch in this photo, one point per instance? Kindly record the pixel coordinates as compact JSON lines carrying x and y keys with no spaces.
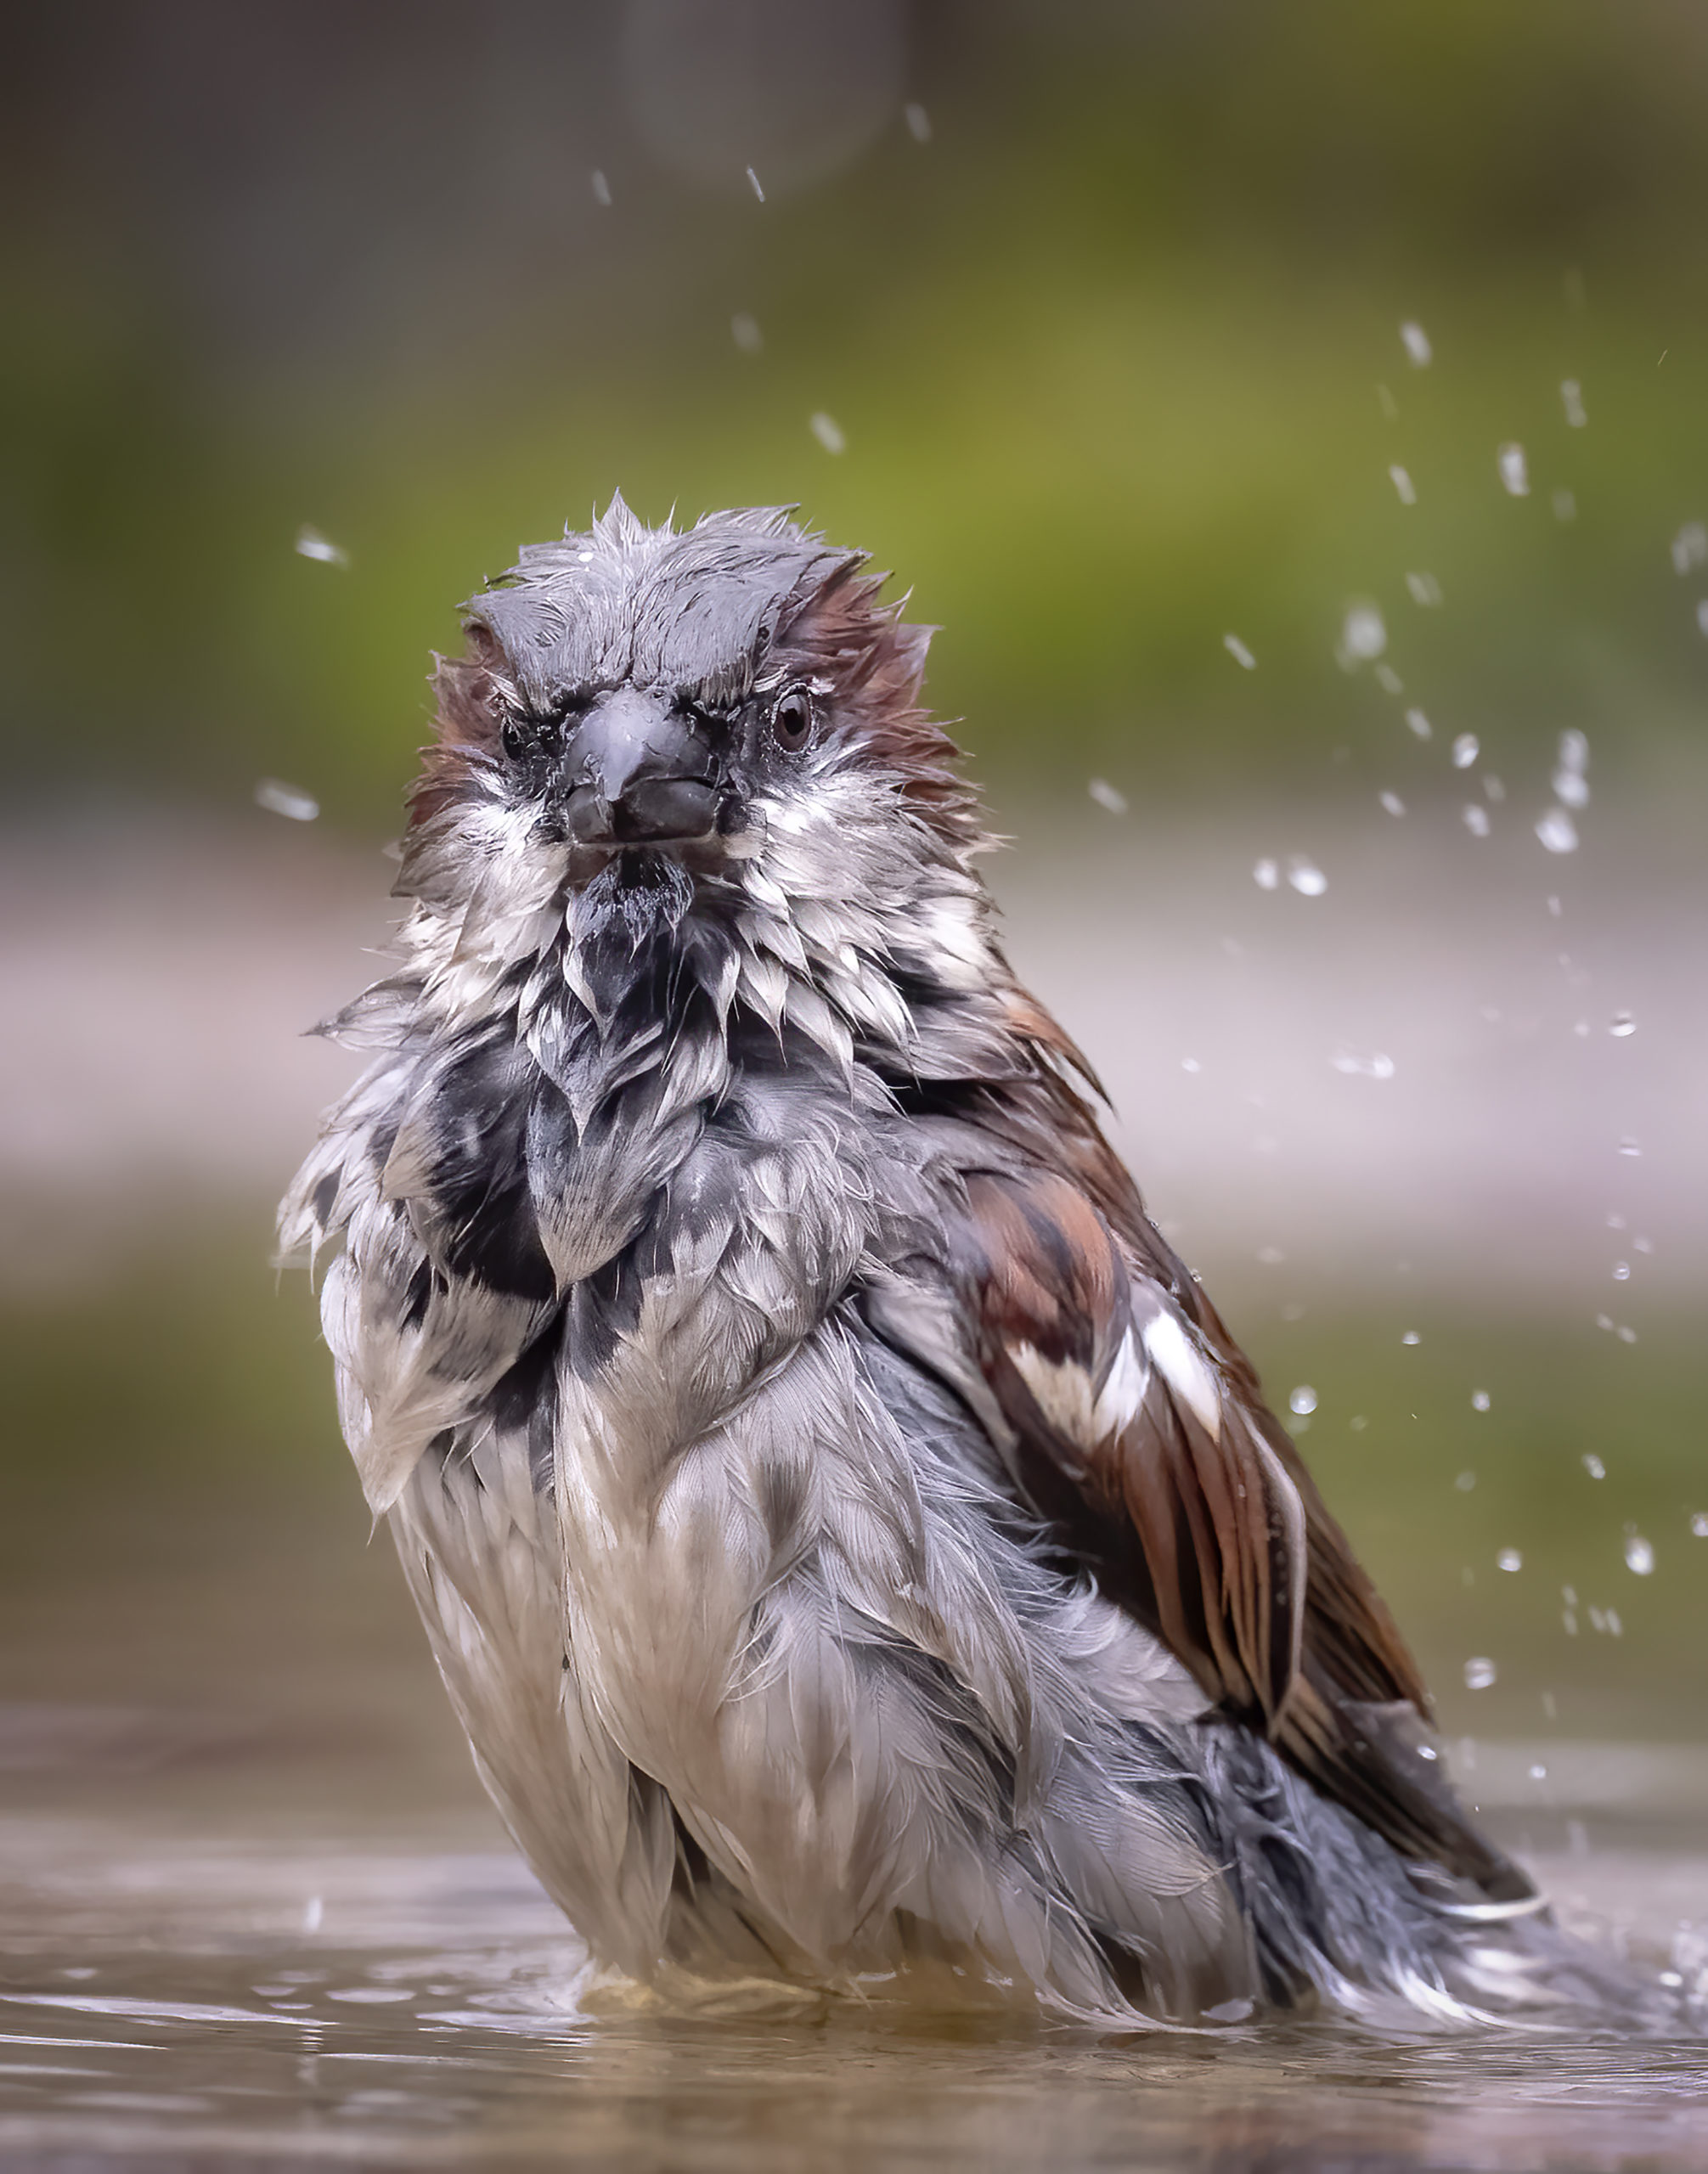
{"x":1185,"y":1370}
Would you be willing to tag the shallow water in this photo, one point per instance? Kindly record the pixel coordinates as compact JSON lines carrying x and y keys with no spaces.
{"x":180,"y":1999}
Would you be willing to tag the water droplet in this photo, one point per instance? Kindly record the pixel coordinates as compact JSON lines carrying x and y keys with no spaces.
{"x":1479,"y":1400}
{"x":1476,"y":817}
{"x":1389,"y":680}
{"x":918,"y":123}
{"x":1190,"y":1064}
{"x":744,"y":330}
{"x":1266,"y":874}
{"x":602,"y":189}
{"x":1270,"y":1256}
{"x":1418,"y":722}
{"x":1509,"y":1559}
{"x":1699,"y":1524}
{"x":1403,"y":485}
{"x":1689,"y":547}
{"x":1702,"y":616}
{"x":311,"y":545}
{"x":1564,"y":504}
{"x":1107,"y":796}
{"x":1392,"y":803}
{"x":1465,"y":1482}
{"x":825,"y":430}
{"x":1621,"y":1271}
{"x":1494,"y":788}
{"x":753,"y":183}
{"x":1363,"y":632}
{"x":1621,"y":1025}
{"x":1425,"y":589}
{"x":1418,"y":351}
{"x":1358,"y":1422}
{"x":1238,"y":652}
{"x":282,"y":799}
{"x":1411,"y":1337}
{"x":1572,"y":787}
{"x":1571,"y":399}
{"x":1386,"y":401}
{"x":1593,"y":1465}
{"x":1625,"y":1335}
{"x":1538,"y":1773}
{"x":1514,"y":470}
{"x":1466,"y":749}
{"x":1629,"y":1146}
{"x":1643,"y":1245}
{"x":1480,"y":1673}
{"x":1303,"y":1399}
{"x":314,"y":1911}
{"x":1557,"y":831}
{"x":1554,"y":908}
{"x":1639,"y":1554}
{"x":1377,"y":1066}
{"x":1306,"y":877}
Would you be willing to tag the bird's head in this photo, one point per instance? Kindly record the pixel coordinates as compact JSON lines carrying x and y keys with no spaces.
{"x":653,"y":716}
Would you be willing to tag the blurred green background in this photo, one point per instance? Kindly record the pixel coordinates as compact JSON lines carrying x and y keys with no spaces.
{"x":1102,"y":306}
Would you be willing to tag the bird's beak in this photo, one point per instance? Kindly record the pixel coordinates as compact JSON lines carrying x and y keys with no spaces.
{"x":635,"y":772}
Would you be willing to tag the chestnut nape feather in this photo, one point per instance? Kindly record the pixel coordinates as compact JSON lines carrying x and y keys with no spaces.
{"x":851,"y":1539}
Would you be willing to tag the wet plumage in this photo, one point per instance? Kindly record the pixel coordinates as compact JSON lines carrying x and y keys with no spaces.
{"x":852,"y":1541}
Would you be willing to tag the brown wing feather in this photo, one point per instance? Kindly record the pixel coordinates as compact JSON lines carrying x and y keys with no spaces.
{"x":1143,"y":1436}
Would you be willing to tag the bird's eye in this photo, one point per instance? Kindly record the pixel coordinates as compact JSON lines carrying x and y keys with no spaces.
{"x":791,"y":721}
{"x":513,"y":736}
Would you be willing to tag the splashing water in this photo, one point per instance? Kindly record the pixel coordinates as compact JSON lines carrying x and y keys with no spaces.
{"x":918,"y":123}
{"x":1509,"y":1559}
{"x":753,"y":183}
{"x":1425,"y":589}
{"x":1363,"y":633}
{"x":1480,"y":1673}
{"x":1377,"y":1066}
{"x":1690,"y":547}
{"x":1557,"y":831}
{"x":825,"y":429}
{"x":602,"y":189}
{"x":287,"y":800}
{"x":1267,"y":875}
{"x":1392,"y":803}
{"x":1303,"y":1400}
{"x":1306,"y":877}
{"x":1479,"y":1400}
{"x":1466,"y":749}
{"x":1418,"y":351}
{"x":1564,"y":504}
{"x":1571,"y":399}
{"x":311,"y":545}
{"x":1476,"y":819}
{"x":1593,"y":1465}
{"x":1403,"y":485}
{"x":1107,"y":796}
{"x":1514,"y":470}
{"x":1628,"y":1146}
{"x":744,"y":330}
{"x":1419,"y":723}
{"x":1238,"y":652}
{"x":1639,"y":1554}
